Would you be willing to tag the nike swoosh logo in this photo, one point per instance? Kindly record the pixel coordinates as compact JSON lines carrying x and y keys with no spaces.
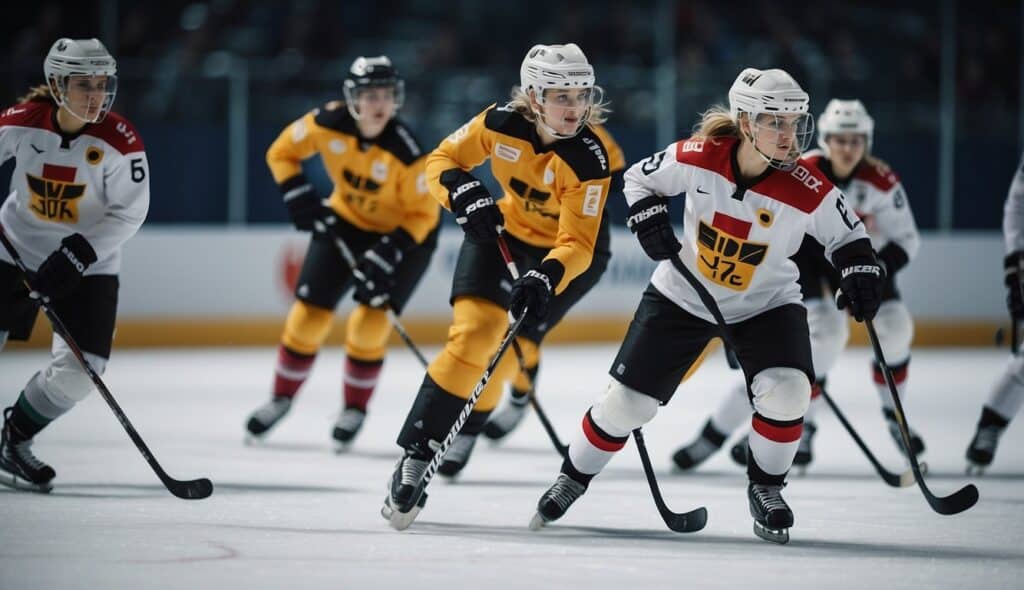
{"x":702,"y":192}
{"x":38,"y":151}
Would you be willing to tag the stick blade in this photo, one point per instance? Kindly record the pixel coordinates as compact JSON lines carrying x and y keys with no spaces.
{"x":687,"y":522}
{"x":957,"y":502}
{"x":196,"y":489}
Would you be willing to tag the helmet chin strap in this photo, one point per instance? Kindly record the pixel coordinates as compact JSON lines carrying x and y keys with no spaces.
{"x":784,"y":165}
{"x":550,"y":131}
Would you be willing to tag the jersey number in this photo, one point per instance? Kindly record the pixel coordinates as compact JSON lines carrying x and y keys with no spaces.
{"x":652,"y":163}
{"x":138,"y":172}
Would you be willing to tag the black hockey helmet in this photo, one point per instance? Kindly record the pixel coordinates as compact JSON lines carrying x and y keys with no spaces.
{"x":372,"y":72}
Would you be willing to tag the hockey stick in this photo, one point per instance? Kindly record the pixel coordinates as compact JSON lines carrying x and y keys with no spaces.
{"x":195,"y":489}
{"x":954,"y":503}
{"x":513,"y":269}
{"x":686,"y":522}
{"x":350,"y":259}
{"x":897,"y":481}
{"x":435,"y":462}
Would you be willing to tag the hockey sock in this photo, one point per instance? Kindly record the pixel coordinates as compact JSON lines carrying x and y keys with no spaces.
{"x":591,"y":450}
{"x":360,"y":380}
{"x":773,"y":444}
{"x":899,"y":377}
{"x":25,"y":421}
{"x":291,"y":372}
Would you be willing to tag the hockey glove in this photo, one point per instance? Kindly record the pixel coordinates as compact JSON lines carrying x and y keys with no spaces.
{"x":532,"y":292}
{"x":474,"y":208}
{"x":649,"y":220}
{"x":61,"y":272}
{"x":860,"y":289}
{"x":1013,"y":264}
{"x":375,"y":273}
{"x":304,"y":205}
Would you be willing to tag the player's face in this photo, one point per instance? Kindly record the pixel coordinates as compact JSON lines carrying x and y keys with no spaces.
{"x":781,"y":137}
{"x":846,"y":149}
{"x":87,"y":96}
{"x":564,"y":110}
{"x":375,"y":106}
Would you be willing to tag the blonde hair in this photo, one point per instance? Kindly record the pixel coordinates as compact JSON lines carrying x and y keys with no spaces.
{"x":40,"y":93}
{"x":717,"y":122}
{"x":520,"y":102}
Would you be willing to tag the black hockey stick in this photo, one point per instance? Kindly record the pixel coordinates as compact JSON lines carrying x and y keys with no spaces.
{"x":954,"y":503}
{"x":513,"y":269}
{"x":435,"y":462}
{"x":195,"y":489}
{"x":686,"y":522}
{"x":897,"y":481}
{"x":350,"y":259}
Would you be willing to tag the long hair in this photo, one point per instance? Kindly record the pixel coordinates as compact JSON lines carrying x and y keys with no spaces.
{"x":717,"y":122}
{"x":521,"y":103}
{"x":40,"y":93}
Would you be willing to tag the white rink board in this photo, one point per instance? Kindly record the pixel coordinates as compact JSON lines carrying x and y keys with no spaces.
{"x":195,"y":272}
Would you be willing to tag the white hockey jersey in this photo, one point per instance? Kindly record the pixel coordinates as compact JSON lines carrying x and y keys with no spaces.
{"x":1013,"y":212}
{"x":881,"y":203}
{"x":737,"y":239}
{"x":95,"y":183}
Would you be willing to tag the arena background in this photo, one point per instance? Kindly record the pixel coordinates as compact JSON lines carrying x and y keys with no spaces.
{"x":209,"y":84}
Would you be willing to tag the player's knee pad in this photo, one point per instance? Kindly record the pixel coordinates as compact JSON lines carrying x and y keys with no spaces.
{"x":366,"y":338}
{"x":63,"y":383}
{"x":623,"y":409}
{"x":781,"y":393}
{"x":895,"y":330}
{"x":306,"y":327}
{"x":829,"y":331}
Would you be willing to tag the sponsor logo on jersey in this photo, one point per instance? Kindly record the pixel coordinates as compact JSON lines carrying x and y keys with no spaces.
{"x":724,"y":255}
{"x":598,"y":151}
{"x":54,"y":196}
{"x":379,"y":171}
{"x":123,"y":129}
{"x":765,"y":218}
{"x":299,"y":131}
{"x":805,"y":177}
{"x":93,"y":155}
{"x":336,"y":146}
{"x":459,"y":134}
{"x":693,"y":145}
{"x":549,"y":176}
{"x":507,"y":152}
{"x":592,"y":200}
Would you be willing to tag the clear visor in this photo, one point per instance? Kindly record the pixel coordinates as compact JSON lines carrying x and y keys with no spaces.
{"x":371,"y":97}
{"x":566,"y":110}
{"x":88,"y":98}
{"x":781,"y":138}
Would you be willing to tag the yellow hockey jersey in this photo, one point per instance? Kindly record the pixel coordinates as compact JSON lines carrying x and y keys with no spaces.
{"x":379,"y":184}
{"x":554,"y":195}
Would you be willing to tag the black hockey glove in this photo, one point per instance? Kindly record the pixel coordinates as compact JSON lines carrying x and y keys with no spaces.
{"x":474,"y":208}
{"x":375,"y":273}
{"x":1013,"y":264}
{"x":532,"y":292}
{"x":860,"y":289}
{"x":61,"y":272}
{"x":304,"y":206}
{"x":649,"y":220}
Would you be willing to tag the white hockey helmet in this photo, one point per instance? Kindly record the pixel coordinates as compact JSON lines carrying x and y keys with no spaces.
{"x":561,"y":67}
{"x":80,"y":57}
{"x":773,"y":92}
{"x":845,"y":116}
{"x":372,"y":72}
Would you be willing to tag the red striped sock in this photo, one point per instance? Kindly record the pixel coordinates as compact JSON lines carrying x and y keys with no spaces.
{"x":291,"y":372}
{"x":359,"y":381}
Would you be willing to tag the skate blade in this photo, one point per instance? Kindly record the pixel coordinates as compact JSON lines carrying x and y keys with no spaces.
{"x":400,"y":520}
{"x":780,"y":536}
{"x":253,"y":440}
{"x":340,"y":448}
{"x":975,"y":470}
{"x":16,"y":483}
{"x":537,"y":522}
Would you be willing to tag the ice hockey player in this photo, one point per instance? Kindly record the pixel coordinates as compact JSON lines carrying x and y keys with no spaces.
{"x":80,"y":191}
{"x":554,"y":172}
{"x":749,"y":202}
{"x":380,"y":210}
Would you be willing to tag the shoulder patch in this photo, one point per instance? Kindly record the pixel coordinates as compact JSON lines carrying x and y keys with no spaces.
{"x":714,"y":155}
{"x":804,"y":187}
{"x":585,"y":154}
{"x":28,"y":114}
{"x":400,"y":142}
{"x":118,"y":132}
{"x":508,"y":122}
{"x":872,"y":176}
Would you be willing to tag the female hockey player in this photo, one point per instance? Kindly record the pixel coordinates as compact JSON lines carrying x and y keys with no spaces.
{"x":80,"y":189}
{"x":554,"y":173}
{"x":380,"y":208}
{"x":1008,"y":393}
{"x":749,"y":202}
{"x":845,"y":135}
{"x":504,"y":420}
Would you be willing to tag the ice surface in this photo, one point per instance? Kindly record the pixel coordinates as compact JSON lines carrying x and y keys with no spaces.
{"x":292,"y":514}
